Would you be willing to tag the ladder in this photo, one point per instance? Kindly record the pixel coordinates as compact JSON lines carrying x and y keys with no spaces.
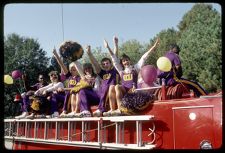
{"x":77,"y":131}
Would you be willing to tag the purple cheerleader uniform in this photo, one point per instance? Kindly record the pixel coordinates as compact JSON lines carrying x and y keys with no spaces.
{"x":26,"y":100}
{"x":133,"y":103}
{"x":129,"y":79}
{"x":89,"y":96}
{"x":72,"y":81}
{"x":110,"y":77}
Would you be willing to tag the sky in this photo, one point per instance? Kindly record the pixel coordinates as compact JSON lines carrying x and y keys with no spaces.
{"x":51,"y":24}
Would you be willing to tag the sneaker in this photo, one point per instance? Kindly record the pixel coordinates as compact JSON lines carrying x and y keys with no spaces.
{"x":23,"y":115}
{"x":116,"y":113}
{"x":71,"y":114}
{"x":55,"y":115}
{"x":63,"y":114}
{"x":31,"y":116}
{"x":48,"y":116}
{"x":109,"y":113}
{"x":84,"y":114}
{"x":97,"y":113}
{"x":41,"y":116}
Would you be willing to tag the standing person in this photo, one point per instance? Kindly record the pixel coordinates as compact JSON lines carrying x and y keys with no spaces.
{"x":129,"y":76}
{"x":173,"y":56}
{"x":73,"y":79}
{"x":174,"y":76}
{"x":50,"y":91}
{"x":30,"y":91}
{"x":107,"y":73}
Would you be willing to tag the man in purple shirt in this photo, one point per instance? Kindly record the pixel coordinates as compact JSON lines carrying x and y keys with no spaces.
{"x":173,"y":56}
{"x":173,"y":77}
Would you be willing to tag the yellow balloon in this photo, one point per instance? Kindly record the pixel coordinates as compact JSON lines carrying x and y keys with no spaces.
{"x":8,"y":79}
{"x":164,"y":64}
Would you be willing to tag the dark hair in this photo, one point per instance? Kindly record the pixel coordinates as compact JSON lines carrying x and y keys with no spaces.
{"x":172,"y":46}
{"x":105,"y":59}
{"x":124,"y":56}
{"x":88,"y":65}
{"x":55,"y":72}
{"x":68,"y":48}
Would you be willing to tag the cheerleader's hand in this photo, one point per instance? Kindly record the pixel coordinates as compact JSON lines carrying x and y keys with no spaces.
{"x":106,"y":45}
{"x":133,"y":90}
{"x":55,"y":92}
{"x":54,"y":52}
{"x":36,"y":93}
{"x":88,"y":49}
{"x":115,"y":39}
{"x":60,"y":90}
{"x":45,"y":92}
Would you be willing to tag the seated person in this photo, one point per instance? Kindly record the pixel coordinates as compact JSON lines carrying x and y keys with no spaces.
{"x":50,"y":92}
{"x":72,"y":78}
{"x":129,"y":77}
{"x":30,"y":91}
{"x":88,"y":91}
{"x":109,"y":77}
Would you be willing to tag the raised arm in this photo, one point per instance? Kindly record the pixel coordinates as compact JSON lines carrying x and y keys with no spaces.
{"x":59,"y":61}
{"x":145,"y":56}
{"x":93,"y":60}
{"x":115,"y":60}
{"x":115,"y":40}
{"x":79,"y":69}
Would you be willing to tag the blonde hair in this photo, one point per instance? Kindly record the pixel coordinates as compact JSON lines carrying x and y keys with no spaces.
{"x":71,"y":65}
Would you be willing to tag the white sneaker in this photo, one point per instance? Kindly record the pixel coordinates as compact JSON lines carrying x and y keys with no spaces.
{"x":48,"y":116}
{"x":109,"y":113}
{"x":97,"y":113}
{"x":63,"y":114}
{"x":71,"y":114}
{"x":85,"y":114}
{"x":116,"y":113}
{"x":41,"y":116}
{"x":31,"y":116}
{"x":55,"y":115}
{"x":23,"y":115}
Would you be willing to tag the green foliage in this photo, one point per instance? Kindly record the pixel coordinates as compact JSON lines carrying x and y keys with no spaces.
{"x":98,"y":54}
{"x":22,"y":54}
{"x":133,"y":49}
{"x":200,"y":42}
{"x":166,"y":37}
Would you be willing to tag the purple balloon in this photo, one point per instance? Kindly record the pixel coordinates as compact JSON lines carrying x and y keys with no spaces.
{"x":149,"y":74}
{"x":16,"y":74}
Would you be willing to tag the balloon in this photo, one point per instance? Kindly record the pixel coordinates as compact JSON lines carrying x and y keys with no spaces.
{"x":8,"y":79}
{"x":164,"y":64}
{"x":16,"y":74}
{"x":149,"y":74}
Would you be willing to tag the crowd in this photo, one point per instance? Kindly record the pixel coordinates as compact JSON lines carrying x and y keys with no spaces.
{"x":110,"y":85}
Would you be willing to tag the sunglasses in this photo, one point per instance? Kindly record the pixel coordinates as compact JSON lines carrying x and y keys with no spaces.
{"x":41,"y":78}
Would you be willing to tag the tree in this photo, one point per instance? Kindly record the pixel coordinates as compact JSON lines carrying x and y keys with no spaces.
{"x":133,"y":49}
{"x":200,"y":43}
{"x":24,"y":54}
{"x":166,"y":37}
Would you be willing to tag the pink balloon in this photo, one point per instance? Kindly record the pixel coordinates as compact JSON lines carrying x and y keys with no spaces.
{"x":149,"y":74}
{"x":16,"y":74}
